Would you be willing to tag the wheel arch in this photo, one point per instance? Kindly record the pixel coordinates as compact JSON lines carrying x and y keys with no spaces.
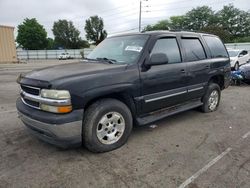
{"x":123,"y":96}
{"x":218,"y":79}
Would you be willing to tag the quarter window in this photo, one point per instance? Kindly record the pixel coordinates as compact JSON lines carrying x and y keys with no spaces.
{"x":194,"y":49}
{"x":216,"y":47}
{"x":169,"y":47}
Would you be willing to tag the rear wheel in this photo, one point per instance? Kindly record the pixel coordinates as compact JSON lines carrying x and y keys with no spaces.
{"x":211,"y":99}
{"x":107,"y":125}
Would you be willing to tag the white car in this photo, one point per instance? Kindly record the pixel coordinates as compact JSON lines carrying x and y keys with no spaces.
{"x":64,"y":56}
{"x":238,"y":58}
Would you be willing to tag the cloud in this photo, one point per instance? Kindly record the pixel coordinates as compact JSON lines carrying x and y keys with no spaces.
{"x":118,"y":16}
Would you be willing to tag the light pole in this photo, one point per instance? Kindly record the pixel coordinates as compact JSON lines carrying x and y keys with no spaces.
{"x":140,"y":11}
{"x":140,"y":17}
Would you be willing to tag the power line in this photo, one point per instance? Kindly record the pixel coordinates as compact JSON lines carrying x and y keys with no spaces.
{"x":214,"y":2}
{"x":131,"y":29}
{"x":109,"y":14}
{"x":113,"y":8}
{"x":217,"y":2}
{"x":120,"y":16}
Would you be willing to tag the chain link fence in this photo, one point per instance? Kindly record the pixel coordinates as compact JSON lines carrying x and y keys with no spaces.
{"x":243,"y":46}
{"x":51,"y":54}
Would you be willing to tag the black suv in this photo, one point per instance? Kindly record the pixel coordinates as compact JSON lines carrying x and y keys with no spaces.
{"x":127,"y":80}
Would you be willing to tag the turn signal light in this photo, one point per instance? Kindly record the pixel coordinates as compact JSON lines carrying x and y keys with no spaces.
{"x":56,"y":109}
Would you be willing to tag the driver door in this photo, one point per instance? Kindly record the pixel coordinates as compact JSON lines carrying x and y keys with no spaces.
{"x":164,"y":85}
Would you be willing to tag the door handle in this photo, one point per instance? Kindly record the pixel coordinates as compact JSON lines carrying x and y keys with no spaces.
{"x":183,"y":71}
{"x":207,"y":66}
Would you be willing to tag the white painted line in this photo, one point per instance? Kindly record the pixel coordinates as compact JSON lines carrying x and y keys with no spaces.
{"x":204,"y":169}
{"x":246,"y":135}
{"x":9,"y":111}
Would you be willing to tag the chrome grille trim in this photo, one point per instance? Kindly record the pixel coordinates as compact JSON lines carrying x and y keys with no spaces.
{"x":37,"y":90}
{"x":41,"y":100}
{"x":29,"y":104}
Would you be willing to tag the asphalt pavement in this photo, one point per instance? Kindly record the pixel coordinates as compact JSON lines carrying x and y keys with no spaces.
{"x":191,"y":149}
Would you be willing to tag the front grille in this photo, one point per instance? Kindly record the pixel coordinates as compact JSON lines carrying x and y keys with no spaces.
{"x":30,"y":90}
{"x":31,"y":103}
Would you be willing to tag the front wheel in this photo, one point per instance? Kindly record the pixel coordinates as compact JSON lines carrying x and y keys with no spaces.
{"x":107,"y":125}
{"x":211,"y":99}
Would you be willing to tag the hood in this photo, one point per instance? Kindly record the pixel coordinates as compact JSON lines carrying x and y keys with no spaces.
{"x":233,"y":58}
{"x":70,"y":70}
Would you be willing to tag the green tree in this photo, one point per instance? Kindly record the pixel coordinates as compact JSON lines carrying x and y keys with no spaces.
{"x":94,"y":28}
{"x":178,"y":22}
{"x":51,"y":43}
{"x":230,"y":24}
{"x":67,"y":36}
{"x":235,"y":21}
{"x":31,"y":35}
{"x":161,"y":25}
{"x":219,"y":31}
{"x":199,"y":18}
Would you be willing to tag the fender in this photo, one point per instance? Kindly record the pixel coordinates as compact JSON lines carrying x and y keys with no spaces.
{"x":126,"y":91}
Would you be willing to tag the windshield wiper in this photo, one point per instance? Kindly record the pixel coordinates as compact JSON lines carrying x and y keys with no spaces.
{"x":111,"y":61}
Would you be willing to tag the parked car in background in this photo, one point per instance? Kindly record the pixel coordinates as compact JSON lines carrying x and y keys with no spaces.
{"x":64,"y":56}
{"x":238,"y":58}
{"x":245,"y":71}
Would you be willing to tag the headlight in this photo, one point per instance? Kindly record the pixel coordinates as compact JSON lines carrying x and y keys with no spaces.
{"x":55,"y":94}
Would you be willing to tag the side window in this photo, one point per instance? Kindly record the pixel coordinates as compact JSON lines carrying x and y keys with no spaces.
{"x":244,"y":52}
{"x":169,"y":47}
{"x":193,"y":48}
{"x":216,"y":47}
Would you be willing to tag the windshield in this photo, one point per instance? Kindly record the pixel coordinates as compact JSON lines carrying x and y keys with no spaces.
{"x":233,"y":53}
{"x":124,"y":49}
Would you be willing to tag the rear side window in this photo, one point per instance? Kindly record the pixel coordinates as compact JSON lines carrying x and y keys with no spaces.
{"x":169,"y":47}
{"x":194,"y":49}
{"x":216,"y":47}
{"x":243,"y":53}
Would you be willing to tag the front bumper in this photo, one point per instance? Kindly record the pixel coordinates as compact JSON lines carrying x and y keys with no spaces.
{"x":62,"y":130}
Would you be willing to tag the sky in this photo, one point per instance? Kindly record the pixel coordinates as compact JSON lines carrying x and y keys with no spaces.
{"x":119,"y":15}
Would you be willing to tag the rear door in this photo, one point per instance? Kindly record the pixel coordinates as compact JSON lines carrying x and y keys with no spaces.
{"x":243,"y":57}
{"x":164,"y":85}
{"x":198,"y":66}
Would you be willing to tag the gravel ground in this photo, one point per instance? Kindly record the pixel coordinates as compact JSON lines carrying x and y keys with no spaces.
{"x":212,"y":149}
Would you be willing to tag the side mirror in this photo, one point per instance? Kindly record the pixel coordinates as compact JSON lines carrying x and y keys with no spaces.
{"x":241,"y":55}
{"x":158,"y":59}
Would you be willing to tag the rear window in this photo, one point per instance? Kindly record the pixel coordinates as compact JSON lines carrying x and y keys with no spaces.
{"x":194,"y":49}
{"x":216,"y":47}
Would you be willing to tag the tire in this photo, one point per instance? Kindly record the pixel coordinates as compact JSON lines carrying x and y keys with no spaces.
{"x":212,"y":89}
{"x":110,"y":114}
{"x":236,"y":66}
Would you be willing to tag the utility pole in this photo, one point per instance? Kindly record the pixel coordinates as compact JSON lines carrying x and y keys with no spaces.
{"x":140,"y":17}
